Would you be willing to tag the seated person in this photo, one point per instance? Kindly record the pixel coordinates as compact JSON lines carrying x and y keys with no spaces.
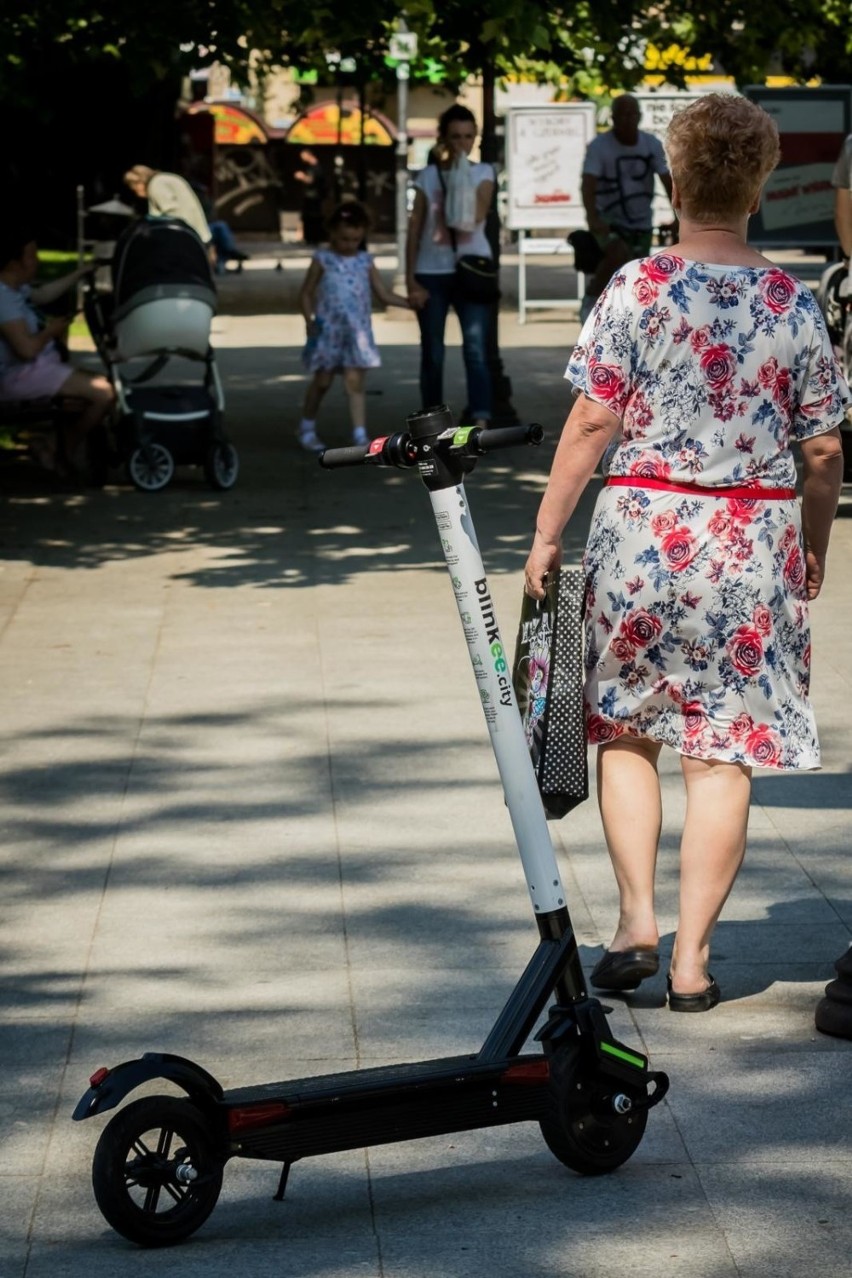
{"x":31,"y":361}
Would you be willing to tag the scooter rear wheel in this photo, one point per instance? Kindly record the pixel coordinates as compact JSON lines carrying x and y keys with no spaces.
{"x":583,"y":1128}
{"x":142,"y":1172}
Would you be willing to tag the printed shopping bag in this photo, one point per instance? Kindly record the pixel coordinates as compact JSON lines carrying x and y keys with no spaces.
{"x":548,"y":680}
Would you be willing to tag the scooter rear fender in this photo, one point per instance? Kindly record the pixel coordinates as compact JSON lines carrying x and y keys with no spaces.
{"x":108,"y":1088}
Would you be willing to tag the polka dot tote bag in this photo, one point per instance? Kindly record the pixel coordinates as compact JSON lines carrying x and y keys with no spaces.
{"x":548,"y":680}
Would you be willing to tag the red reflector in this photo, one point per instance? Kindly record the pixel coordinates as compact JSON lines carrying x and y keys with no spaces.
{"x":256,"y":1115}
{"x":376,"y":445}
{"x":529,"y":1072}
{"x":98,"y":1076}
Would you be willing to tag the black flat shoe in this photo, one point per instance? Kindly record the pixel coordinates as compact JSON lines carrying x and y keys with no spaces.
{"x":694,"y":1002}
{"x":625,"y":969}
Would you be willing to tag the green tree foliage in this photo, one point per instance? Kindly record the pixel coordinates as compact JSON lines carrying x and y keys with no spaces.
{"x":586,"y":43}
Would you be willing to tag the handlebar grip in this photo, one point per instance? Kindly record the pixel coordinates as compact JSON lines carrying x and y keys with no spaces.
{"x":508,"y":437}
{"x":355,"y":455}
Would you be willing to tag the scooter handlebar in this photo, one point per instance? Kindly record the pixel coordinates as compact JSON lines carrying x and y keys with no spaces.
{"x":508,"y":437}
{"x":402,"y":451}
{"x":331,"y":458}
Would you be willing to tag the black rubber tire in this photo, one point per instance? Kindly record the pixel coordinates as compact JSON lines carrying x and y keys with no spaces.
{"x":134,"y":1171}
{"x":150,"y":474}
{"x":221,"y":466}
{"x":581,"y":1129}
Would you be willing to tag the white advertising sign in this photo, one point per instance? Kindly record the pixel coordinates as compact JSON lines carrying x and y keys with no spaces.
{"x":545,"y":148}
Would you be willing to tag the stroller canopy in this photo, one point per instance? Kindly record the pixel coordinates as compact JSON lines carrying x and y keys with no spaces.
{"x":159,"y":258}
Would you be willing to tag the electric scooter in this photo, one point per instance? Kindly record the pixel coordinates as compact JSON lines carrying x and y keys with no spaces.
{"x":158,"y":1164}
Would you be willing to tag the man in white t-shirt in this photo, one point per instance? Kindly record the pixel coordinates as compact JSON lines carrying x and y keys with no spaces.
{"x":618,"y":192}
{"x":841,"y":180}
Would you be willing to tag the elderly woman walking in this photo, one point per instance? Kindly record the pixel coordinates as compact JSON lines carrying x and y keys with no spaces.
{"x":701,"y":366}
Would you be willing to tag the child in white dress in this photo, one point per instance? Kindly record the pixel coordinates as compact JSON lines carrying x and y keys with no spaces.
{"x":335,"y":300}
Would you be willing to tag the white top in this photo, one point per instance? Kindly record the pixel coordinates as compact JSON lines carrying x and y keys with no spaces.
{"x":170,"y":195}
{"x":625,"y":174}
{"x":435,"y":254}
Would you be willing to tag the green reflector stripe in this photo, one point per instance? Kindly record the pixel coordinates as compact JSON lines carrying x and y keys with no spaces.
{"x":461,"y":435}
{"x":638,"y":1061}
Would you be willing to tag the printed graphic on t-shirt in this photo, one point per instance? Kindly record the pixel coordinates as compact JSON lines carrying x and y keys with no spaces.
{"x":625,"y":197}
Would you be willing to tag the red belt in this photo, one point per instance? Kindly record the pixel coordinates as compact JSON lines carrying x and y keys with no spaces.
{"x":748,"y":491}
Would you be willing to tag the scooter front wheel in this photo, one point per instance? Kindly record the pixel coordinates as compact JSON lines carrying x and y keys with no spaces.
{"x":592,"y":1126}
{"x":155,"y":1176}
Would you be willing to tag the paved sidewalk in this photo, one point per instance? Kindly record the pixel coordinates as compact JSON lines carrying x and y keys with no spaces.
{"x":251,"y":817}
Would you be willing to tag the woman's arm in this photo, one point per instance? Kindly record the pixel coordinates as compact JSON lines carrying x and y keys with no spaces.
{"x":417,"y":295}
{"x":47,"y":293}
{"x":484,"y":192}
{"x":843,"y":219}
{"x":823,"y":474}
{"x":308,"y":291}
{"x":586,"y":433}
{"x":383,"y":293}
{"x":28,"y":346}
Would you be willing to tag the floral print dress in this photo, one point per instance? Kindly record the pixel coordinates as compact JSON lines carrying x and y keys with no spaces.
{"x":343,"y":306}
{"x":697,"y":631}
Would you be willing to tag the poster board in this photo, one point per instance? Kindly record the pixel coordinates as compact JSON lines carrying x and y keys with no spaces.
{"x":797,"y":209}
{"x":545,"y":148}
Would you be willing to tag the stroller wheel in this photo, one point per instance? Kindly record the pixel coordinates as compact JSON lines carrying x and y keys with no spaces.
{"x":221,"y":466}
{"x":150,"y":468}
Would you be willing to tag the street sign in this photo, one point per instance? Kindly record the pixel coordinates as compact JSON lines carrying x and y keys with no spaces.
{"x":402,"y":46}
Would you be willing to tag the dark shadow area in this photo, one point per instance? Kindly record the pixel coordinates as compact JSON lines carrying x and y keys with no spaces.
{"x":820,"y":790}
{"x":287,"y":523}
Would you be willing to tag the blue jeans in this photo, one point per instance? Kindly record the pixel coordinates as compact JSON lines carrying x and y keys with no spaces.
{"x":474,"y":319}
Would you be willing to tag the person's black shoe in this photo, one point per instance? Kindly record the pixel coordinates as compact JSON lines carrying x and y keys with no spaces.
{"x":701,"y":1002}
{"x":625,"y":969}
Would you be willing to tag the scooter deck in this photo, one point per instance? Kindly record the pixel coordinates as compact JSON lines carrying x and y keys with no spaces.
{"x":379,"y":1078}
{"x":299,"y":1117}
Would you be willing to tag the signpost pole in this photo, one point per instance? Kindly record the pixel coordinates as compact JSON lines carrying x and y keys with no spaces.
{"x":403,"y":47}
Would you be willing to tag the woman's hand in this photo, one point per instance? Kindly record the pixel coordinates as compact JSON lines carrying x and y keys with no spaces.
{"x":545,"y":557}
{"x":57,"y":327}
{"x":814,"y":573}
{"x":418,"y":296}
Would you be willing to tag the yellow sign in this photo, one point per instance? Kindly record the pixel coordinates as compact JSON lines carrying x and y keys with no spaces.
{"x":326,"y":124}
{"x":234,"y":126}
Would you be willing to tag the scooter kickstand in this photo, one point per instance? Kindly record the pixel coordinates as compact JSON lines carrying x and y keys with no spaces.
{"x":278,"y":1196}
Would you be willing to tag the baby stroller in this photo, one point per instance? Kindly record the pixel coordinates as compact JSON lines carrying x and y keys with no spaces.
{"x":160,"y":309}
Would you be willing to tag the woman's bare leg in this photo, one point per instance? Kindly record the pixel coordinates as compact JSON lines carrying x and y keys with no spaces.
{"x":631,"y":811}
{"x":99,"y":397}
{"x":711,"y":853}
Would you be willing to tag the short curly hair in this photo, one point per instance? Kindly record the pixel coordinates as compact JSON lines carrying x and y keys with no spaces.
{"x":721,"y":149}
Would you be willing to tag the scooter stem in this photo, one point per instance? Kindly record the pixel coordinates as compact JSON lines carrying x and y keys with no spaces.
{"x":493,"y":672}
